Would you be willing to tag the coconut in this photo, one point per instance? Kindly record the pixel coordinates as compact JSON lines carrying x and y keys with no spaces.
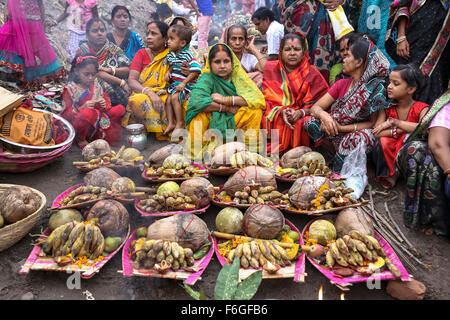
{"x":130,"y":154}
{"x":353,"y":219}
{"x":17,"y":203}
{"x":249,"y":175}
{"x":221,"y":156}
{"x":263,"y":221}
{"x":101,"y":177}
{"x":95,"y":149}
{"x":306,"y":189}
{"x":123,"y":185}
{"x":291,"y":158}
{"x":157,"y":158}
{"x":113,"y":218}
{"x":322,"y":231}
{"x":62,"y":217}
{"x":229,"y":220}
{"x":200,"y":190}
{"x":169,"y":186}
{"x":187,"y":229}
{"x":173,"y":160}
{"x":313,"y":156}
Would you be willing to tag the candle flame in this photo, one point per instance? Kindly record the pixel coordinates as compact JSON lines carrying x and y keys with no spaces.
{"x":342,"y":296}
{"x":320,"y":297}
{"x":371,"y":267}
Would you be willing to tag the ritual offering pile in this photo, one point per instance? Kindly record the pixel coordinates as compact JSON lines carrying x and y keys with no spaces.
{"x":255,"y":194}
{"x":175,"y":166}
{"x":300,"y":162}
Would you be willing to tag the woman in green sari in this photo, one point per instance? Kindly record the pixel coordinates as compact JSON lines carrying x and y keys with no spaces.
{"x":424,"y":162}
{"x":224,"y":99}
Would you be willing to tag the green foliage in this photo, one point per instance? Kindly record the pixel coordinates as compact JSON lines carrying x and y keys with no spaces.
{"x":228,"y":286}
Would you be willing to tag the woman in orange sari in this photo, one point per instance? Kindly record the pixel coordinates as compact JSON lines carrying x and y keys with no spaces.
{"x":290,"y":84}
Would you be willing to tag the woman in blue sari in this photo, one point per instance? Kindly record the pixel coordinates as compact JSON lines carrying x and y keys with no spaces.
{"x":122,"y":37}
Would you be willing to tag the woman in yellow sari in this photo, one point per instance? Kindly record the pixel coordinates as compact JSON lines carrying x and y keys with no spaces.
{"x":146,"y":79}
{"x":224,"y":99}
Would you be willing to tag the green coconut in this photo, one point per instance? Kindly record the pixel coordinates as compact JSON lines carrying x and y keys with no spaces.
{"x":313,"y":156}
{"x":64,"y":216}
{"x":123,"y":185}
{"x":169,"y":186}
{"x":229,"y":220}
{"x":322,"y":231}
{"x":130,"y":154}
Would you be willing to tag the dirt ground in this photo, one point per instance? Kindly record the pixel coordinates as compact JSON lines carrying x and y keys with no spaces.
{"x":109,"y":284}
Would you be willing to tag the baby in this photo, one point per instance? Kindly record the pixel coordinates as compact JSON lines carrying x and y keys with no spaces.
{"x":179,"y":37}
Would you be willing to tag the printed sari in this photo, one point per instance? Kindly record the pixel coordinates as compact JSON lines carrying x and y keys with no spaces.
{"x":25,"y":53}
{"x":248,"y":118}
{"x":367,"y":96}
{"x":109,"y":56}
{"x":140,"y":108}
{"x":131,"y":44}
{"x":297,"y":90}
{"x":96,"y":123}
{"x":425,"y":197}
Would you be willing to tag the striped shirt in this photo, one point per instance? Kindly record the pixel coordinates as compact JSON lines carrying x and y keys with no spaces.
{"x":176,"y":61}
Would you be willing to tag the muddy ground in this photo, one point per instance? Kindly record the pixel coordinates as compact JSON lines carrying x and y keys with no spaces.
{"x":109,"y":284}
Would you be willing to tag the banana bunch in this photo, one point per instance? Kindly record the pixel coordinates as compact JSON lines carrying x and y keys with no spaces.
{"x":162,"y":255}
{"x":244,"y":159}
{"x":166,"y":201}
{"x":267,"y":195}
{"x":85,"y":193}
{"x":354,"y":249}
{"x":257,"y":253}
{"x":332,"y":198}
{"x":181,"y":170}
{"x":77,"y":238}
{"x":310,"y":168}
{"x":111,"y":159}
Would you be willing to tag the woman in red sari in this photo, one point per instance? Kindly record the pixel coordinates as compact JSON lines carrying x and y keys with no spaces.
{"x":88,"y":107}
{"x":290,"y":84}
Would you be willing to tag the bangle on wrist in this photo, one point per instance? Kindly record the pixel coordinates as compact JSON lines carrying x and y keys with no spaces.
{"x":122,"y":83}
{"x":220,"y":109}
{"x":143,"y":90}
{"x":232,"y":101}
{"x":355,"y":127}
{"x":304,"y":113}
{"x":400,"y":39}
{"x":113,"y":71}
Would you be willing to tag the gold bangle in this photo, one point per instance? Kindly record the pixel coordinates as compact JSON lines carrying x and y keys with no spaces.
{"x":113,"y":70}
{"x":355,"y":125}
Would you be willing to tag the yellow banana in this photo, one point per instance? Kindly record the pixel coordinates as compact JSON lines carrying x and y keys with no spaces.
{"x":262,"y":260}
{"x":88,"y":238}
{"x":181,"y":254}
{"x":356,"y":235}
{"x":50,"y":241}
{"x":330,"y":259}
{"x":254,"y":263}
{"x":75,"y":233}
{"x":99,"y":250}
{"x":230,"y":256}
{"x":273,"y":251}
{"x":374,"y":242}
{"x":67,"y":230}
{"x":76,"y":247}
{"x":361,"y":247}
{"x":57,"y":241}
{"x":247,"y":251}
{"x":174,"y":249}
{"x":282,"y":252}
{"x":238,"y":252}
{"x":244,"y":262}
{"x":358,"y":258}
{"x":255,"y":249}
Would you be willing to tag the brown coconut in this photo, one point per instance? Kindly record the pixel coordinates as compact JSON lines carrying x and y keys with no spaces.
{"x":187,"y":229}
{"x":101,"y":177}
{"x":306,"y":189}
{"x":95,"y":149}
{"x":290,"y":159}
{"x":263,"y":221}
{"x":17,"y":203}
{"x":157,"y":158}
{"x":353,"y":219}
{"x":113,"y":218}
{"x":221,"y":156}
{"x":249,"y":175}
{"x":200,"y":190}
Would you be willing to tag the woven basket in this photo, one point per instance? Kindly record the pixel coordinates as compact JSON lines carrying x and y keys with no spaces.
{"x":12,"y":233}
{"x":16,"y":162}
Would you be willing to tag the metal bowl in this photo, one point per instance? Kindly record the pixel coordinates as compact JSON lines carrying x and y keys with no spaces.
{"x":26,"y":149}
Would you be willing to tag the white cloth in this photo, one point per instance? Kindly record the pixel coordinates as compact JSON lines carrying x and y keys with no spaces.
{"x":340,"y":23}
{"x":249,"y":62}
{"x":180,"y":10}
{"x":274,"y":34}
{"x":259,"y":4}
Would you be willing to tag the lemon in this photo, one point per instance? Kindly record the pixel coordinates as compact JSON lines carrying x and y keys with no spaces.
{"x":294,"y":235}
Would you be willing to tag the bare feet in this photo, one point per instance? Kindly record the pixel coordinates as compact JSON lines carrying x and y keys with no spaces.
{"x":389,"y":182}
{"x":169,"y":129}
{"x":427,"y":231}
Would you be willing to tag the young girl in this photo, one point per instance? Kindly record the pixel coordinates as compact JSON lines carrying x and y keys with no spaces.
{"x":395,"y":123}
{"x":88,"y":107}
{"x":179,"y":37}
{"x":80,"y":12}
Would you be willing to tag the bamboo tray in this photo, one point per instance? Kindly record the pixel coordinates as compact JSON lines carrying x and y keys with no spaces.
{"x":295,"y":270}
{"x":38,"y":260}
{"x":344,"y":282}
{"x":168,"y":213}
{"x":189,"y":278}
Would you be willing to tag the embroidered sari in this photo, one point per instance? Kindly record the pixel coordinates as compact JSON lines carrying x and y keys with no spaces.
{"x":298,"y":90}
{"x":109,"y":56}
{"x":96,"y":123}
{"x":247,"y":118}
{"x":367,"y":96}
{"x":140,"y":108}
{"x":425,"y":198}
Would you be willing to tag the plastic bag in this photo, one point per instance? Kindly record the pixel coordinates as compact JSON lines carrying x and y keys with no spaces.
{"x":354,"y":170}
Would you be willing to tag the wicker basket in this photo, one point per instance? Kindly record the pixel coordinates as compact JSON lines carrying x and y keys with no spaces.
{"x":12,"y":233}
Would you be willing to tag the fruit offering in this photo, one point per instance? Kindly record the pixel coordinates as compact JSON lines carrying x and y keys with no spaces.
{"x":255,"y":194}
{"x":166,"y":202}
{"x":86,"y":193}
{"x":75,"y":239}
{"x":111,"y":159}
{"x":312,"y":167}
{"x":244,"y":159}
{"x":175,"y":166}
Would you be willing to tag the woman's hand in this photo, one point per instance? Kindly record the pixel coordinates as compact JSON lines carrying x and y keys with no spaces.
{"x":403,"y":49}
{"x":250,"y":47}
{"x":381,"y":127}
{"x":90,"y":104}
{"x":218,"y":98}
{"x":127,"y":89}
{"x":286,"y":115}
{"x":296,"y":115}
{"x":157,"y":103}
{"x":232,"y":109}
{"x":102,"y":102}
{"x":329,"y":124}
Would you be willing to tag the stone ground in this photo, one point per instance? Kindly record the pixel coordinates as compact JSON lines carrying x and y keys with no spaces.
{"x":111,"y":285}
